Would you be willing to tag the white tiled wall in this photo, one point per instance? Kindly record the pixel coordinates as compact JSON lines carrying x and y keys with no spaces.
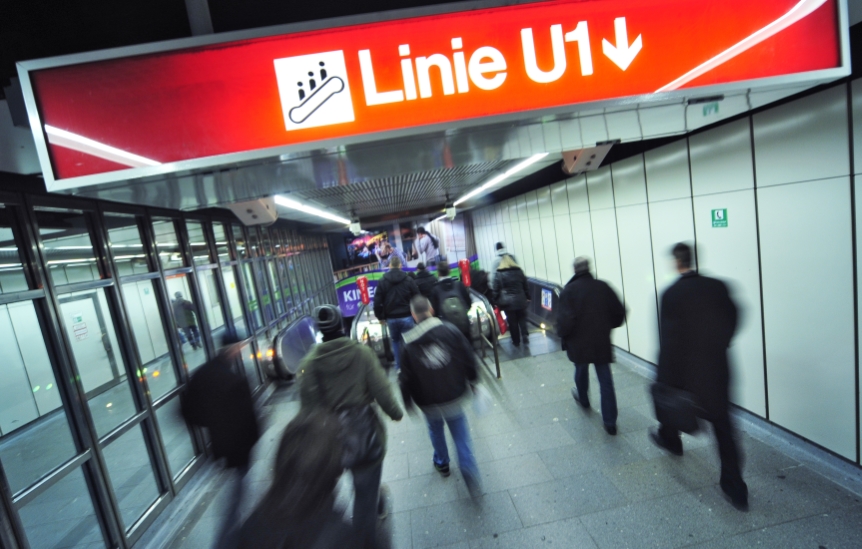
{"x":784,"y":177}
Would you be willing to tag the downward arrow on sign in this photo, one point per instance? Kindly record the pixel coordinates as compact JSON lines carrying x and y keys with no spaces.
{"x":622,"y":54}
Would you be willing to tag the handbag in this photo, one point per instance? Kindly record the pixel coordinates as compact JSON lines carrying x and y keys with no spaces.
{"x":358,"y":425}
{"x":675,"y":408}
{"x":501,"y":322}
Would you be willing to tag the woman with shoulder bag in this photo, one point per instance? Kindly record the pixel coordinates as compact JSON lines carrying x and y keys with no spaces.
{"x":345,"y":378}
{"x":512,"y":295}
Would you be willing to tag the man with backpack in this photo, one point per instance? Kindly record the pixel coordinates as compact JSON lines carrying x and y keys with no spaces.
{"x":438,"y":372}
{"x":451,"y":300}
{"x":425,"y":280}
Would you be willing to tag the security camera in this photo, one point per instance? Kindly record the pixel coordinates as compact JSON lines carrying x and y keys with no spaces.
{"x":450,"y":212}
{"x":355,"y":228}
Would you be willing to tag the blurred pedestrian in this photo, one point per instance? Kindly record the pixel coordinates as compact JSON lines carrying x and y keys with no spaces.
{"x":499,"y":251}
{"x":589,"y":309}
{"x":345,"y":377}
{"x":512,"y":295}
{"x":450,"y":300}
{"x":392,"y":304}
{"x":438,"y":369}
{"x":299,"y":511}
{"x":184,"y":316}
{"x":218,"y":399}
{"x":698,"y":319}
{"x":425,"y":280}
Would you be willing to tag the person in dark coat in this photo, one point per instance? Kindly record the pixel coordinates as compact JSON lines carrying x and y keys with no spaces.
{"x":698,"y":319}
{"x":218,"y":399}
{"x":589,"y":309}
{"x":512,"y":296}
{"x":299,"y":510}
{"x":438,"y":370}
{"x":392,"y":304}
{"x":425,"y":280}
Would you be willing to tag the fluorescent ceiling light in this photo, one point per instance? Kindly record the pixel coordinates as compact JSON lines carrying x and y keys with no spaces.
{"x":498,"y":178}
{"x":79,"y":143}
{"x":305,"y":208}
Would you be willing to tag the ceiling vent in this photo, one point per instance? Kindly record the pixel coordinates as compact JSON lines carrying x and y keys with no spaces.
{"x":256,"y":212}
{"x":586,"y":160}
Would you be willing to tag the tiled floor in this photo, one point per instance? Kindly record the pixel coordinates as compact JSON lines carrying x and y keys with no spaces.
{"x":553,"y":478}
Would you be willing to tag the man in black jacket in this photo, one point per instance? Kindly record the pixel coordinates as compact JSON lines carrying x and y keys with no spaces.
{"x":218,"y":399}
{"x":589,"y":309}
{"x":438,"y":368}
{"x":392,"y":304}
{"x":425,"y":280}
{"x":698,"y":320}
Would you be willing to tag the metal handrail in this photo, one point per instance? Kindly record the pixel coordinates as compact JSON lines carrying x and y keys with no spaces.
{"x":494,"y":339}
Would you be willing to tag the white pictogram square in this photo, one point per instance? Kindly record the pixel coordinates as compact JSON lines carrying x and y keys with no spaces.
{"x":314,"y":90}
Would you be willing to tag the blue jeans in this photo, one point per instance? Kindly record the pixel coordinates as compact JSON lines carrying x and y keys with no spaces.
{"x":606,"y":388}
{"x":397,"y":326}
{"x":461,"y":435}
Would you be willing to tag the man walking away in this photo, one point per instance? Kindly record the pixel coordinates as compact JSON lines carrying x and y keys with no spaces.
{"x":392,"y":304}
{"x":438,"y":368}
{"x":500,"y":251}
{"x":218,"y":399}
{"x":425,"y":280}
{"x":451,"y":300}
{"x":589,"y":309}
{"x":184,"y":316}
{"x":343,"y":376}
{"x":429,"y":246}
{"x":512,"y":295}
{"x":698,"y":320}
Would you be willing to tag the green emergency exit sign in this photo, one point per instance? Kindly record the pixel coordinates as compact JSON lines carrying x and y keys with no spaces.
{"x":719,"y":218}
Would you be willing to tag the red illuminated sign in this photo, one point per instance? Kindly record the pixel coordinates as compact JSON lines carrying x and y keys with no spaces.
{"x":276,"y":93}
{"x":362,"y":284}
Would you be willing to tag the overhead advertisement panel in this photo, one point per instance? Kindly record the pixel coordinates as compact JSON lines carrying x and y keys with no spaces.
{"x":200,"y":102}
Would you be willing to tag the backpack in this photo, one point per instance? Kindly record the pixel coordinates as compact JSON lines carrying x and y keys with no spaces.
{"x":453,"y":309}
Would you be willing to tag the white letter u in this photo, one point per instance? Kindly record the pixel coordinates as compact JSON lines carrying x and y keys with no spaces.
{"x":559,"y":47}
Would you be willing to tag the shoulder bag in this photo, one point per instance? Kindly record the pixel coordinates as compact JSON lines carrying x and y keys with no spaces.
{"x":361,"y":444}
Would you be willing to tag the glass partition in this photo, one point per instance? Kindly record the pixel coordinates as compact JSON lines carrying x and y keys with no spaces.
{"x":198,"y":243}
{"x":69,"y":253}
{"x":124,"y":238}
{"x":167,"y":244}
{"x":186,"y":320}
{"x":221,"y":242}
{"x":11,"y":269}
{"x":234,"y":303}
{"x":151,"y":340}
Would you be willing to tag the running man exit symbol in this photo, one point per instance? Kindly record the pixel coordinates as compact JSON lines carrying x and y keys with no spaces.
{"x":719,"y":218}
{"x":314,"y":90}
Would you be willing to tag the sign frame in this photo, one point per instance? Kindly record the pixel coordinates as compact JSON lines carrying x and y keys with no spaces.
{"x":302,"y":149}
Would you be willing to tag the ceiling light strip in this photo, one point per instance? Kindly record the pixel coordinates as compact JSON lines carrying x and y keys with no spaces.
{"x":79,"y":143}
{"x":500,"y":177}
{"x":310,"y":210}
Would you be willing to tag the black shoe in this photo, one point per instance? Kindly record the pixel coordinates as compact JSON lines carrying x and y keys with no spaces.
{"x":611,"y":429}
{"x":526,"y":342}
{"x":442,"y":469}
{"x":675,"y":449}
{"x":736,"y":493}
{"x":578,"y":400}
{"x":516,"y":344}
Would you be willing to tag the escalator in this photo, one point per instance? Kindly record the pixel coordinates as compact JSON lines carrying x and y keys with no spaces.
{"x":368,"y":330}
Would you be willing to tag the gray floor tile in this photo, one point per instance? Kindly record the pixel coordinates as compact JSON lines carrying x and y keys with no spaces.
{"x":660,"y":477}
{"x":402,"y":532}
{"x":513,"y":472}
{"x":565,"y":498}
{"x":833,"y":530}
{"x":463,"y":520}
{"x":528,"y":440}
{"x":666,"y":523}
{"x":395,"y":468}
{"x":422,"y":491}
{"x":564,"y":533}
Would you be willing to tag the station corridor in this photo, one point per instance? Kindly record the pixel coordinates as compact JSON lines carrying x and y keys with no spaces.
{"x":553,"y":478}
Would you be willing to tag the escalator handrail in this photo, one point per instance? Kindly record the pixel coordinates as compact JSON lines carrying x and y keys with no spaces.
{"x":278,"y":336}
{"x":546,"y":283}
{"x":488,"y":308}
